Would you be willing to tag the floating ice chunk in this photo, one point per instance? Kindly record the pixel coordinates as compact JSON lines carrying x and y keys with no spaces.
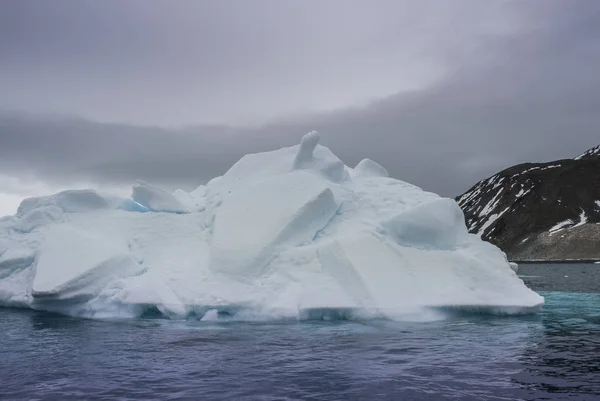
{"x":157,"y":199}
{"x":514,"y":266}
{"x":368,"y":168}
{"x":291,"y":233}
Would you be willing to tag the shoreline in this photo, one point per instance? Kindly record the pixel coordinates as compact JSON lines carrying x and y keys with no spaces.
{"x":554,"y":261}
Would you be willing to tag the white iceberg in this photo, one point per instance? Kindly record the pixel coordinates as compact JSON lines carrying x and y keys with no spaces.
{"x":292,"y":233}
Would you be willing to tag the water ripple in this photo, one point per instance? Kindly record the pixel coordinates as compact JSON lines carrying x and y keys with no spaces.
{"x":548,"y":356}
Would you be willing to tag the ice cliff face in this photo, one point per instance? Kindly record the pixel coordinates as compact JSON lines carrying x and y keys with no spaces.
{"x":292,"y":233}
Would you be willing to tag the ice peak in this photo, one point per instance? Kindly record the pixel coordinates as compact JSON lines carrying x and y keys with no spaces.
{"x":305,"y":152}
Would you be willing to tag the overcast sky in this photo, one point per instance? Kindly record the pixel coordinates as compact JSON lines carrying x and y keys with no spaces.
{"x":442,"y":93}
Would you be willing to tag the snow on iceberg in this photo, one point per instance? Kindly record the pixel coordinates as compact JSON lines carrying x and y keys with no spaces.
{"x":292,"y":233}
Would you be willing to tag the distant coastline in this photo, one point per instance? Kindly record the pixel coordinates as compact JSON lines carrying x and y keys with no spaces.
{"x":553,"y":261}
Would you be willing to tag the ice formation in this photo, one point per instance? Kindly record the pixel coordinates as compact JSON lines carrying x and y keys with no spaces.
{"x":292,"y":233}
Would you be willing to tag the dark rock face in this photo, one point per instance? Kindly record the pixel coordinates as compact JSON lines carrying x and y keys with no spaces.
{"x":545,"y":211}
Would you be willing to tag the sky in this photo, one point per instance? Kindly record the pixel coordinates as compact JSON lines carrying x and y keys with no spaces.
{"x":443,"y":94}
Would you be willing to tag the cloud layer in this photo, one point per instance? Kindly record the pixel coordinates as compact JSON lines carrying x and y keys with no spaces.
{"x":464,"y":90}
{"x":232,"y":61}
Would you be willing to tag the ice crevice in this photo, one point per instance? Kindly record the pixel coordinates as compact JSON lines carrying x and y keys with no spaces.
{"x":287,"y":234}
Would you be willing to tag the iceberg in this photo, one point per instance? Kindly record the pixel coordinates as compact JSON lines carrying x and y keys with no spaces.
{"x":287,"y":234}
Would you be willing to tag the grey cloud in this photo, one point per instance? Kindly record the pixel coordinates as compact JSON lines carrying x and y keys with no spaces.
{"x":157,"y":62}
{"x":529,"y":94}
{"x":62,"y":150}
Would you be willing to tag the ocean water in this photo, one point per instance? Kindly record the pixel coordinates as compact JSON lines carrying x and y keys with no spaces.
{"x":554,"y":355}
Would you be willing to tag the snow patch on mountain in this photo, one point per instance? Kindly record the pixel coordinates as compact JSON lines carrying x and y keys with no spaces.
{"x":554,"y":229}
{"x":595,"y":151}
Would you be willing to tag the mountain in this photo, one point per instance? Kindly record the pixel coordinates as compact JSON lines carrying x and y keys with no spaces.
{"x":540,"y":211}
{"x":595,"y":151}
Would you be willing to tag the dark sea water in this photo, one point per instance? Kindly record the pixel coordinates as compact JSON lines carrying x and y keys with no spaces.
{"x":554,"y":355}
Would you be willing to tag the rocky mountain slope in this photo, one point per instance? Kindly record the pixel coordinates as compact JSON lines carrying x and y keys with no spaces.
{"x":540,"y":211}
